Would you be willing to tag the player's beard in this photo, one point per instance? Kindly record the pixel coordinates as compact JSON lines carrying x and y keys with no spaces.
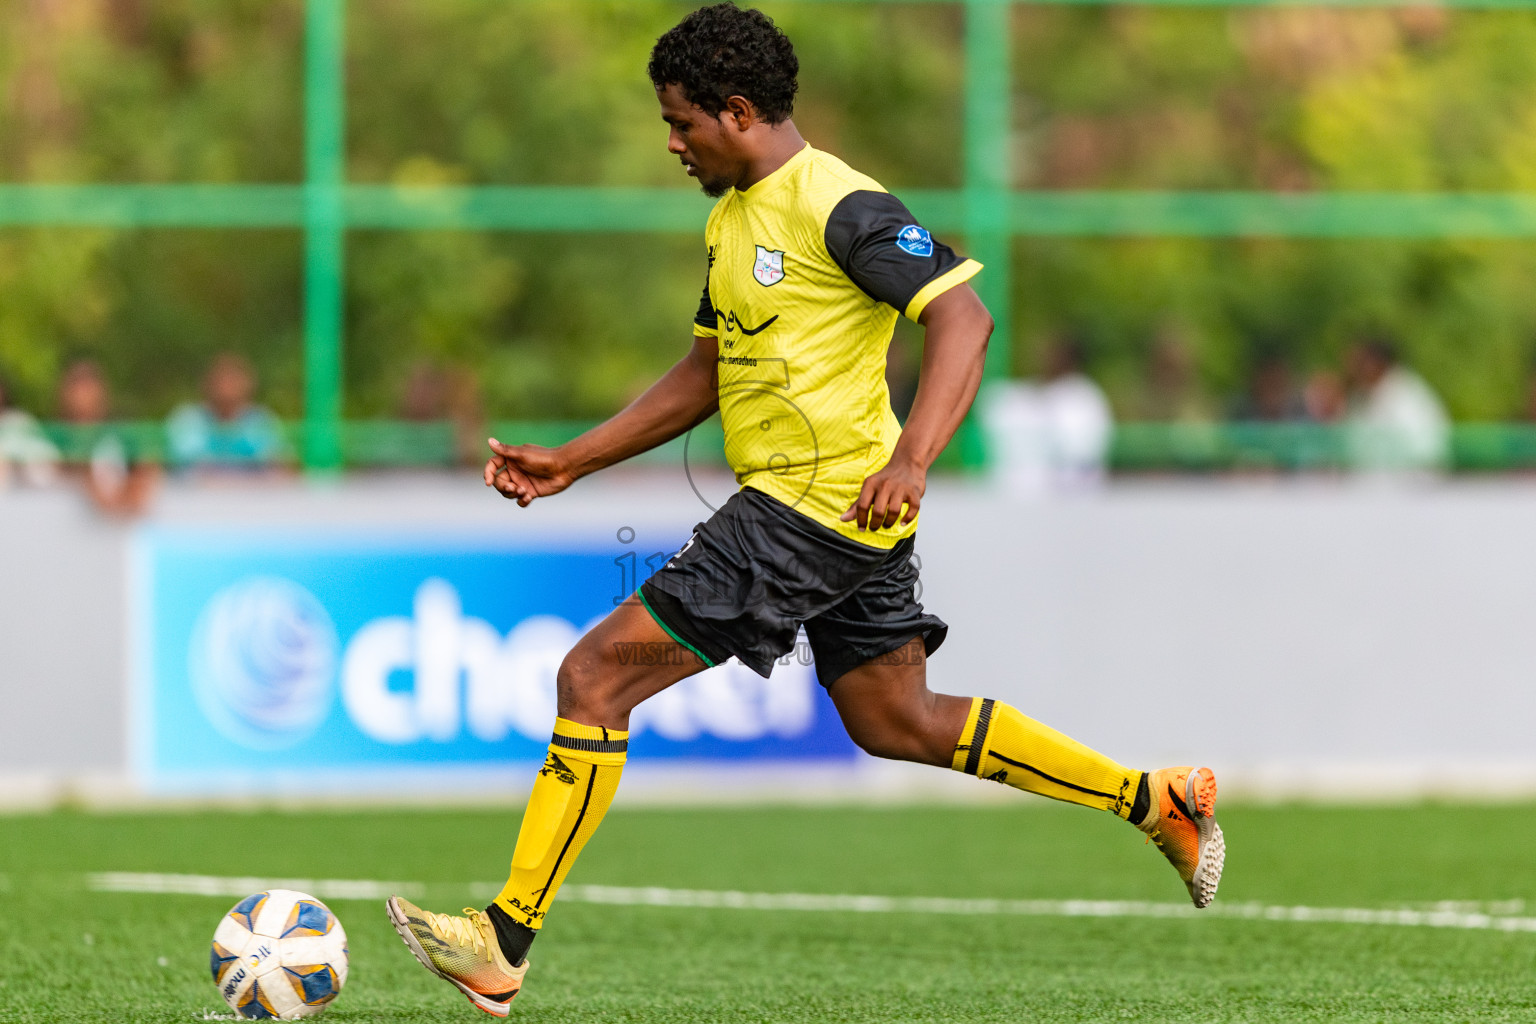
{"x":714,"y":187}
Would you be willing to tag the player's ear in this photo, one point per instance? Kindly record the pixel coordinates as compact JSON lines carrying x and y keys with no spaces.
{"x":741,"y":112}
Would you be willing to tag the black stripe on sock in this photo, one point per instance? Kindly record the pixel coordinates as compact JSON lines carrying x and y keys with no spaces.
{"x":979,"y":737}
{"x":1051,"y":778}
{"x":580,"y":817}
{"x":590,"y":746}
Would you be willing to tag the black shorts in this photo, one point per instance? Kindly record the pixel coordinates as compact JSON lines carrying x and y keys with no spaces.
{"x":758,"y":570}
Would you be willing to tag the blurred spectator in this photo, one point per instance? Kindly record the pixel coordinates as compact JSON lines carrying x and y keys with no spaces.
{"x":1396,"y":420}
{"x":425,"y":396}
{"x":117,"y":477}
{"x":1048,"y":436}
{"x":227,"y":430}
{"x":26,"y":454}
{"x":1272,"y":395}
{"x":1174,"y":393}
{"x":433,"y":395}
{"x":1271,"y":401}
{"x":1325,"y":398}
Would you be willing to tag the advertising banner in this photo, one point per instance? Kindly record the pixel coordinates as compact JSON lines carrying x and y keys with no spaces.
{"x":324,"y":656}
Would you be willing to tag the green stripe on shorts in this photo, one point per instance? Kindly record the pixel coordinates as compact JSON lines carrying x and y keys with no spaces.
{"x":669,"y":632}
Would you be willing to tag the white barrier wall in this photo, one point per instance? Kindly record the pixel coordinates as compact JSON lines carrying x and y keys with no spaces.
{"x":63,"y":640}
{"x":1305,"y":638}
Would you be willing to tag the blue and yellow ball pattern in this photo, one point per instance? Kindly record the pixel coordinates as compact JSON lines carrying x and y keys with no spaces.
{"x":279,"y":955}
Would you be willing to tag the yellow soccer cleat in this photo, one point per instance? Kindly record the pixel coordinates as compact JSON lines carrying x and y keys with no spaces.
{"x":462,"y":951}
{"x":1184,"y":828}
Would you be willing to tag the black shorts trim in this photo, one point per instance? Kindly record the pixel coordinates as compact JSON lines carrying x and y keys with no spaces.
{"x":673,"y":618}
{"x":833,"y":665}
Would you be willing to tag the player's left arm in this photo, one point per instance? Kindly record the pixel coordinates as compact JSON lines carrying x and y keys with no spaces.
{"x":957,"y":327}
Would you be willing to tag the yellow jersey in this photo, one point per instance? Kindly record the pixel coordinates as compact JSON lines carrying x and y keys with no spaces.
{"x":808,"y":270}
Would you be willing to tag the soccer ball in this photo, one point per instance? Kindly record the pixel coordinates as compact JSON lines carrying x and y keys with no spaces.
{"x":279,"y":955}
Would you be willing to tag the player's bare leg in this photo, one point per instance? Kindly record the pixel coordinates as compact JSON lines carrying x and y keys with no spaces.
{"x":889,"y":711}
{"x":622,"y":661}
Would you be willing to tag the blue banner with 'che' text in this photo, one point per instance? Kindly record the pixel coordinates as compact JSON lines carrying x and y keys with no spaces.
{"x":307,"y":655}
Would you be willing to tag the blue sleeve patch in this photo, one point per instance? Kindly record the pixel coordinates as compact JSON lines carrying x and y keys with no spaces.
{"x":915,"y":239}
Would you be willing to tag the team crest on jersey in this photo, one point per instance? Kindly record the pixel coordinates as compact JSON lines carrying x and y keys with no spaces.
{"x":769,"y":268}
{"x":915,"y":239}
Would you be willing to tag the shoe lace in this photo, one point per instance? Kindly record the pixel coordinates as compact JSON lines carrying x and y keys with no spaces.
{"x":468,"y":930}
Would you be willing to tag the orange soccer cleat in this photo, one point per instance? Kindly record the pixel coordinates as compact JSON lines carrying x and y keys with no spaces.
{"x":463,"y":951}
{"x":1183,"y":825}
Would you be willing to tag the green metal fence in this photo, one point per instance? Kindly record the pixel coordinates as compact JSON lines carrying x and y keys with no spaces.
{"x":985,"y":209}
{"x":1137,"y":448}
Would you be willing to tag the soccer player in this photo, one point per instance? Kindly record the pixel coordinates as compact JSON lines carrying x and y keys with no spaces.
{"x":809,"y":264}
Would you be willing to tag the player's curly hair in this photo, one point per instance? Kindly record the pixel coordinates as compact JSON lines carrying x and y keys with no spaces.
{"x":722,"y":51}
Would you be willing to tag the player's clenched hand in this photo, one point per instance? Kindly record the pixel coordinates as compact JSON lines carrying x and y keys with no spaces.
{"x":883,"y":495}
{"x":526,"y":471}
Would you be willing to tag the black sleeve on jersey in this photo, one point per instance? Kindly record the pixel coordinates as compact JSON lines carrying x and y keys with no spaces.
{"x":861,"y":236}
{"x":706,"y":317}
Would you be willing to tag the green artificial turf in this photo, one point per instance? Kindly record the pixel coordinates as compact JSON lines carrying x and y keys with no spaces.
{"x":69,"y":954}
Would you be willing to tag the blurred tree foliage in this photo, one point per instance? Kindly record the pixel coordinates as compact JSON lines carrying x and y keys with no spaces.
{"x":1288,"y":99}
{"x":150,"y":91}
{"x":554,"y":91}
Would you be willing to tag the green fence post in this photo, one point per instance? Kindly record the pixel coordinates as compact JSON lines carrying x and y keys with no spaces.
{"x":324,"y":230}
{"x":988,"y":127}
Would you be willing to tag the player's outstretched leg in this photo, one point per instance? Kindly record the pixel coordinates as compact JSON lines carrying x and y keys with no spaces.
{"x":1175,"y":807}
{"x":463,"y":951}
{"x":890,"y":712}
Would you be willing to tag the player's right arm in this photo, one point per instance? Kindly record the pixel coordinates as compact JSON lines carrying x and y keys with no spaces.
{"x":684,"y":397}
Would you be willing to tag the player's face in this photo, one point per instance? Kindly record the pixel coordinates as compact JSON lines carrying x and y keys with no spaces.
{"x":704,"y":144}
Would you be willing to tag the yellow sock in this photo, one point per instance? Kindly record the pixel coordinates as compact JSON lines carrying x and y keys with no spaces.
{"x":570,"y":797}
{"x":1000,"y":744}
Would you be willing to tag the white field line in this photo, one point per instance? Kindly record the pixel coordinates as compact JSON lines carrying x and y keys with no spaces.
{"x":714,"y":899}
{"x":214,"y":885}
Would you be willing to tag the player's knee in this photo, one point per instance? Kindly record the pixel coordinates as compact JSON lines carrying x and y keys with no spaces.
{"x":581,"y":684}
